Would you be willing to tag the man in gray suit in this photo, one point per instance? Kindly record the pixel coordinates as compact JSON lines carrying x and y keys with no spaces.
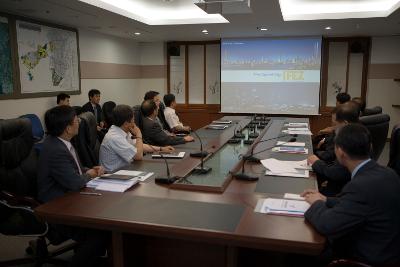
{"x":60,"y":172}
{"x":363,"y":222}
{"x":153,"y":134}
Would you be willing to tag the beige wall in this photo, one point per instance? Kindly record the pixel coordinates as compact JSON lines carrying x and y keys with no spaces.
{"x":110,"y":64}
{"x":385,"y":66}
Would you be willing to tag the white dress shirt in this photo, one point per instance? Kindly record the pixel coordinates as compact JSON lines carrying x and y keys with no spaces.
{"x":171,"y":118}
{"x":117,"y":149}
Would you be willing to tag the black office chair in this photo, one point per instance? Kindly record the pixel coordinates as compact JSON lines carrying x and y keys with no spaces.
{"x":394,"y":153}
{"x":86,"y":143}
{"x":18,"y":163}
{"x":138,"y":116}
{"x":378,"y":125}
{"x":106,"y":110}
{"x":161,"y":117}
{"x":372,"y":111}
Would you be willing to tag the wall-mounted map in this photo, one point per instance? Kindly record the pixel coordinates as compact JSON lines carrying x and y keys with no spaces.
{"x":48,"y":58}
{"x":6,"y":71}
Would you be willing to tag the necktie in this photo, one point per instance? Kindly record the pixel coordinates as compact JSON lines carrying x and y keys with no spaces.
{"x":73,"y":153}
{"x":95,"y":113}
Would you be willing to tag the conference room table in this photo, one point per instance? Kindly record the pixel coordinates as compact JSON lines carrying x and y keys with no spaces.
{"x":198,"y":221}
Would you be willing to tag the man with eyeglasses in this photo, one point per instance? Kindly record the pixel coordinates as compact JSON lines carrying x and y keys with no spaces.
{"x":59,"y":172}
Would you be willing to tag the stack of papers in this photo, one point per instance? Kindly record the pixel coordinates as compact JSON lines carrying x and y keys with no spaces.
{"x":118,"y":185}
{"x":282,"y":206}
{"x":222,"y":122}
{"x":286,"y":168}
{"x":298,"y":132}
{"x":177,"y":155}
{"x":290,"y":149}
{"x":296,"y":144}
{"x":297,"y":124}
{"x":217,"y":126}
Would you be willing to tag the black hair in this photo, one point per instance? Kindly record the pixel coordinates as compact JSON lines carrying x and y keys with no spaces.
{"x":93,"y":92}
{"x":122,"y":114}
{"x":355,"y":140}
{"x":58,"y":118}
{"x":168,"y":99}
{"x":343,"y":98}
{"x":148,"y":107}
{"x":360,"y":102}
{"x":62,"y":96}
{"x":348,"y":111}
{"x":150,"y":95}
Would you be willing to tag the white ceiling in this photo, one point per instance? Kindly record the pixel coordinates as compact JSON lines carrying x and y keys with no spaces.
{"x":265,"y":13}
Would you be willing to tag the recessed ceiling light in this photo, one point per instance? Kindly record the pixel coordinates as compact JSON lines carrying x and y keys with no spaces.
{"x":137,"y":33}
{"x":173,"y":13}
{"x":263,"y":29}
{"x":328,"y":28}
{"x":204,"y":31}
{"x":334,"y":9}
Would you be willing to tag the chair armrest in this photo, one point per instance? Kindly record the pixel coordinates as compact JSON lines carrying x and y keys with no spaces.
{"x":16,"y":200}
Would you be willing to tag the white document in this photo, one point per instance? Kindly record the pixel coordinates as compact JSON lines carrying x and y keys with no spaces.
{"x":293,"y":196}
{"x":297,"y":173}
{"x":286,"y":168}
{"x":112,"y":185}
{"x":178,"y":155}
{"x":222,"y":122}
{"x":282,"y":206}
{"x":297,"y":124}
{"x":217,"y":126}
{"x":298,"y":129}
{"x":297,"y":144}
{"x":290,"y":149}
{"x":308,"y":132}
{"x":142,"y":176}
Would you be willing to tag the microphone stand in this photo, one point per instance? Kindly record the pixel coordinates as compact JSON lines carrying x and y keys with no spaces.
{"x":202,"y":154}
{"x":238,"y":134}
{"x":168,"y":179}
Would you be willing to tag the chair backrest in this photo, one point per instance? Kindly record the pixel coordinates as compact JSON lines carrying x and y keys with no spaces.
{"x":18,"y":159}
{"x":378,"y":125}
{"x":37,"y":128}
{"x":394,"y":153}
{"x":86,"y":142}
{"x":161,"y":116}
{"x":107,"y":113}
{"x":372,"y":111}
{"x":137,"y":114}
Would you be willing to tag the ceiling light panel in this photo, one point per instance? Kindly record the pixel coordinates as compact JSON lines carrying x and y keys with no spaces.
{"x":336,"y":9}
{"x":156,"y":12}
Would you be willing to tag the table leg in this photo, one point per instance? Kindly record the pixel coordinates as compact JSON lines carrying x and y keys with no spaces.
{"x":117,"y":249}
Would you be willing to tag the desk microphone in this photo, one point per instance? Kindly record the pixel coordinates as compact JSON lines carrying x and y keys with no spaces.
{"x":251,"y":156}
{"x":201,"y":154}
{"x":253,"y":134}
{"x":168,"y":179}
{"x":246,"y":177}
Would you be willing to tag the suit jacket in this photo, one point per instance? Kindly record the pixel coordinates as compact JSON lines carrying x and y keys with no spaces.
{"x":364,"y":221}
{"x":335,"y":174}
{"x":153,"y":134}
{"x":88,"y":107}
{"x":58,"y":172}
{"x":327,"y":150}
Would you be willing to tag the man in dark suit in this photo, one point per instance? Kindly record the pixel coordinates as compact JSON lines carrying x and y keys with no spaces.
{"x":94,"y":106}
{"x":153,"y":134}
{"x":155,"y":96}
{"x":363,"y":222}
{"x":60,"y":172}
{"x":329,"y":171}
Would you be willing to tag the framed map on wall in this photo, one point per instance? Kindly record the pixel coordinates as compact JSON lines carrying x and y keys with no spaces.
{"x":6,"y":67}
{"x":48,"y":58}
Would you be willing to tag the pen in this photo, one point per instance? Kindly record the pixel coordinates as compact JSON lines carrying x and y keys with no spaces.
{"x":90,"y":193}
